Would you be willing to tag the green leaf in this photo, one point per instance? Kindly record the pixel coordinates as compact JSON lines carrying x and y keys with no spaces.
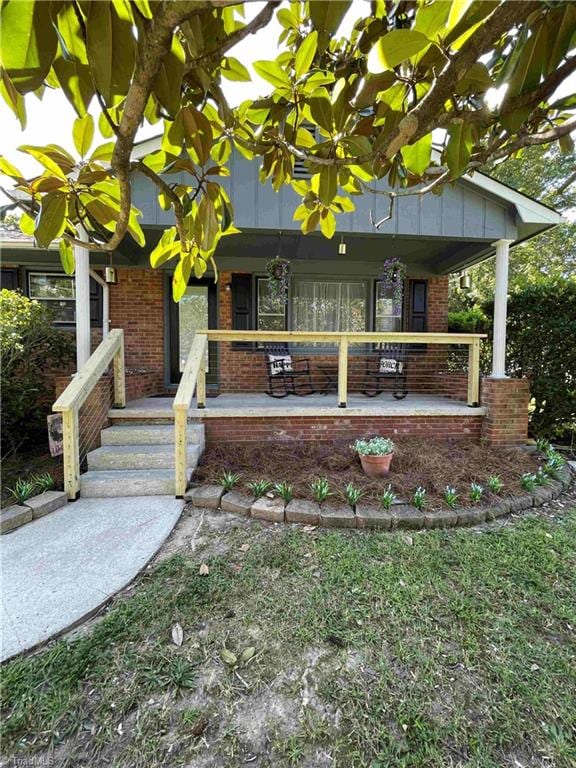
{"x":83,"y":134}
{"x":8,"y":169}
{"x":328,"y":224}
{"x":111,"y":50}
{"x":104,"y":152}
{"x":272,"y":72}
{"x":181,"y":277}
{"x":144,"y":8}
{"x":431,"y":18}
{"x":417,"y":156}
{"x":459,"y":147}
{"x":566,"y":144}
{"x":28,"y":43}
{"x":228,"y":657}
{"x":167,"y":86}
{"x":67,"y":257}
{"x":328,"y":184}
{"x":71,"y":35}
{"x":395,"y":47}
{"x":207,"y":217}
{"x":476,"y":80}
{"x":457,"y":9}
{"x":51,"y":220}
{"x":327,"y":15}
{"x":43,"y":155}
{"x":321,"y":110}
{"x":310,"y":224}
{"x":76,"y":82}
{"x":165,"y":249}
{"x":305,"y":54}
{"x":529,"y":65}
{"x":13,"y":99}
{"x":234,"y":70}
{"x":197,"y":133}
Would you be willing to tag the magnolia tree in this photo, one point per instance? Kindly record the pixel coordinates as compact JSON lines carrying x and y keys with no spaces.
{"x":353,"y":110}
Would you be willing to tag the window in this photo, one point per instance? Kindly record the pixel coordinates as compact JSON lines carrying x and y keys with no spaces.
{"x":388,"y":316}
{"x":328,"y":306}
{"x":56,"y":291}
{"x":271,"y":309}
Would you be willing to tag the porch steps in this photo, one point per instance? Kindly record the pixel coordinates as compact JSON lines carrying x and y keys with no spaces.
{"x":137,"y":460}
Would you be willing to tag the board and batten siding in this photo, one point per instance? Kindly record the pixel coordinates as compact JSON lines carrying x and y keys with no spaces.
{"x":460,"y":212}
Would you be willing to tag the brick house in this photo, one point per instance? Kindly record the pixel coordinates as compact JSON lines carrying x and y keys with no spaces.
{"x":334,"y":288}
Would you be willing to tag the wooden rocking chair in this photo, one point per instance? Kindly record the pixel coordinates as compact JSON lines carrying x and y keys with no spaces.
{"x":287,"y":376}
{"x":389,"y":363}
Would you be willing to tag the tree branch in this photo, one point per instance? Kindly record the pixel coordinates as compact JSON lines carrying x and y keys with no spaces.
{"x":169,"y":192}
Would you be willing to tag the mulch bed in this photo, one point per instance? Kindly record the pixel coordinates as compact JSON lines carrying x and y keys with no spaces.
{"x":431,"y":464}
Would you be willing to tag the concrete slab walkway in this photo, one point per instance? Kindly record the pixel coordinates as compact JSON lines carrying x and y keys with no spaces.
{"x":59,"y":569}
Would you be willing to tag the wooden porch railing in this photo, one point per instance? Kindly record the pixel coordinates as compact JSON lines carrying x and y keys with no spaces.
{"x":77,"y":392}
{"x":194,"y":375}
{"x":193,"y":378}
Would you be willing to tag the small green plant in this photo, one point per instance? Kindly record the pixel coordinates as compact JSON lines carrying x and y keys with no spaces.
{"x":229,"y":479}
{"x":554,"y":464}
{"x":285,"y":491}
{"x":388,"y":498}
{"x":476,"y":492}
{"x":495,"y":484}
{"x":450,"y":496}
{"x":23,"y":490}
{"x":541,"y":478}
{"x":259,"y":487}
{"x":543,"y":447}
{"x":353,"y":495}
{"x":44,"y":482}
{"x":419,"y":498}
{"x":320,"y":489}
{"x":528,"y":481}
{"x":376,"y":446}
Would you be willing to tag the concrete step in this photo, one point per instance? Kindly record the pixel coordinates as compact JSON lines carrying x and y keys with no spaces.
{"x":149,"y":434}
{"x":130,"y":482}
{"x":121,"y":457}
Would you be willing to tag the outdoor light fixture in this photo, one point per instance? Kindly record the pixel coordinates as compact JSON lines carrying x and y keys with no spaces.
{"x":342,"y":247}
{"x":228,"y":287}
{"x":110,"y":275}
{"x":465,"y":281}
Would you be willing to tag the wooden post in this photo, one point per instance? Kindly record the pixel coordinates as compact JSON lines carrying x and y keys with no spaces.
{"x":181,"y":450}
{"x":120,"y":376}
{"x":474,"y":373}
{"x":201,"y":386}
{"x":343,"y":372}
{"x":71,"y":453}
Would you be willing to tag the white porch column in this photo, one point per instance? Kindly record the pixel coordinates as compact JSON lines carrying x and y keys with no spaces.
{"x":500,"y":309}
{"x":82,"y":280}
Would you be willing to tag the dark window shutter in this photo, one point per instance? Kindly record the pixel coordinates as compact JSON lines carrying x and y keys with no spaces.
{"x":242,"y":312}
{"x":417,"y":319}
{"x":9,"y":279}
{"x":95,"y":303}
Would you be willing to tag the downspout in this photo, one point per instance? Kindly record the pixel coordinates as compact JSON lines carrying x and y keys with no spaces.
{"x":105,"y":302}
{"x":82,"y":285}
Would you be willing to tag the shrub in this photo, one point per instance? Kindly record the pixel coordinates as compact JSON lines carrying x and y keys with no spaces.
{"x":541,"y":332}
{"x":29,"y":345}
{"x":285,"y":491}
{"x":473,"y":320}
{"x":22,"y":490}
{"x":43,"y":482}
{"x":259,"y":487}
{"x":229,"y":479}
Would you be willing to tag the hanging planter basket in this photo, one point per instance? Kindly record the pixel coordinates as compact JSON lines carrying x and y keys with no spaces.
{"x":278,"y":277}
{"x":392,"y":277}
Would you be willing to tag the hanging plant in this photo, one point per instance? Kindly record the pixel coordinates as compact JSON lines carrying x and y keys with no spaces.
{"x":392,"y":277}
{"x":278,"y":277}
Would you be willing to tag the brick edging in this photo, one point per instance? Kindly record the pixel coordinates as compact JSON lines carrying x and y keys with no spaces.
{"x":400,"y":516}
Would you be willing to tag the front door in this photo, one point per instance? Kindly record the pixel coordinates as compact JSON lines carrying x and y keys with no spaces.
{"x":196,"y":311}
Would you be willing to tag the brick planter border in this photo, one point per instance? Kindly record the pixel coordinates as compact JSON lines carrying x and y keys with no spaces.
{"x":400,"y":516}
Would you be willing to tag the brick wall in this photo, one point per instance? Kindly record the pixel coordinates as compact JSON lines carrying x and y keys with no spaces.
{"x":438,"y":304}
{"x":506,"y":401}
{"x":329,"y":428}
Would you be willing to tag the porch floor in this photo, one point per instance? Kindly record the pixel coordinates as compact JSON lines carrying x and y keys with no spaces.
{"x":253,"y":404}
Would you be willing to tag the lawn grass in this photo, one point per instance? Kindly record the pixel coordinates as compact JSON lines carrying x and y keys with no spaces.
{"x":442,"y":648}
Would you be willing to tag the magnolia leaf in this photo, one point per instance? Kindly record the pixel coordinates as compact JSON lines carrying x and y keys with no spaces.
{"x":234,"y":70}
{"x":310,"y":224}
{"x":111,"y":50}
{"x":457,"y":9}
{"x":327,"y":15}
{"x":104,"y":152}
{"x":164,"y":249}
{"x":76,"y":82}
{"x":51,"y":220}
{"x":204,"y":570}
{"x":179,"y":284}
{"x":197,"y":133}
{"x":228,"y":657}
{"x":272,"y":72}
{"x":70,"y":35}
{"x":8,"y":169}
{"x":168,"y":83}
{"x":144,"y":8}
{"x":431,"y":18}
{"x":321,"y":110}
{"x":328,"y":184}
{"x":395,"y":47}
{"x":177,"y":634}
{"x":305,"y":54}
{"x":328,"y":224}
{"x":43,"y":155}
{"x":459,"y":147}
{"x":417,"y":156}
{"x":476,"y":80}
{"x":247,"y":653}
{"x":13,"y":99}
{"x":67,"y":256}
{"x":28,"y":43}
{"x":83,"y":134}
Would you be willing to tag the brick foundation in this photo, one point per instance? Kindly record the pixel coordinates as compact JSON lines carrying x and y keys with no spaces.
{"x":330,"y":428}
{"x":506,"y":402}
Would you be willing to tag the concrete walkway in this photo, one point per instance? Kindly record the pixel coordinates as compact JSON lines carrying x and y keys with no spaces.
{"x":59,"y":569}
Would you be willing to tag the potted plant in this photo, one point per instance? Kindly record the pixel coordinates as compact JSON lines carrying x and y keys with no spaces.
{"x":375,"y":455}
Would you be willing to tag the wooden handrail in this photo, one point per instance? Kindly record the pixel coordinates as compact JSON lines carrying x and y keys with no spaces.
{"x":76,"y":393}
{"x":334,"y":337}
{"x":193,"y":378}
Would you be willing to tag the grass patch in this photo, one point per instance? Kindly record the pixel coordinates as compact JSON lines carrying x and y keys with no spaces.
{"x":441,"y":648}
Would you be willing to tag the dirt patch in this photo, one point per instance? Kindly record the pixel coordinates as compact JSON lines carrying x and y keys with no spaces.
{"x":432,"y":465}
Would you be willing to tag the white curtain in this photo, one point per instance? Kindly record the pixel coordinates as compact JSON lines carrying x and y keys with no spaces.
{"x":328,"y":306}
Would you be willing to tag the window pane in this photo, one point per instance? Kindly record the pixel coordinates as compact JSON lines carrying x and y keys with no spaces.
{"x":269,"y":304}
{"x":192,"y":317}
{"x":388,"y":314}
{"x":64,"y":311}
{"x":329,"y":306}
{"x":271,"y":323}
{"x":48,"y":286}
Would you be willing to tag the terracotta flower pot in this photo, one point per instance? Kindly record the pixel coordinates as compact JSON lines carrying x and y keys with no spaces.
{"x":376,"y":466}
